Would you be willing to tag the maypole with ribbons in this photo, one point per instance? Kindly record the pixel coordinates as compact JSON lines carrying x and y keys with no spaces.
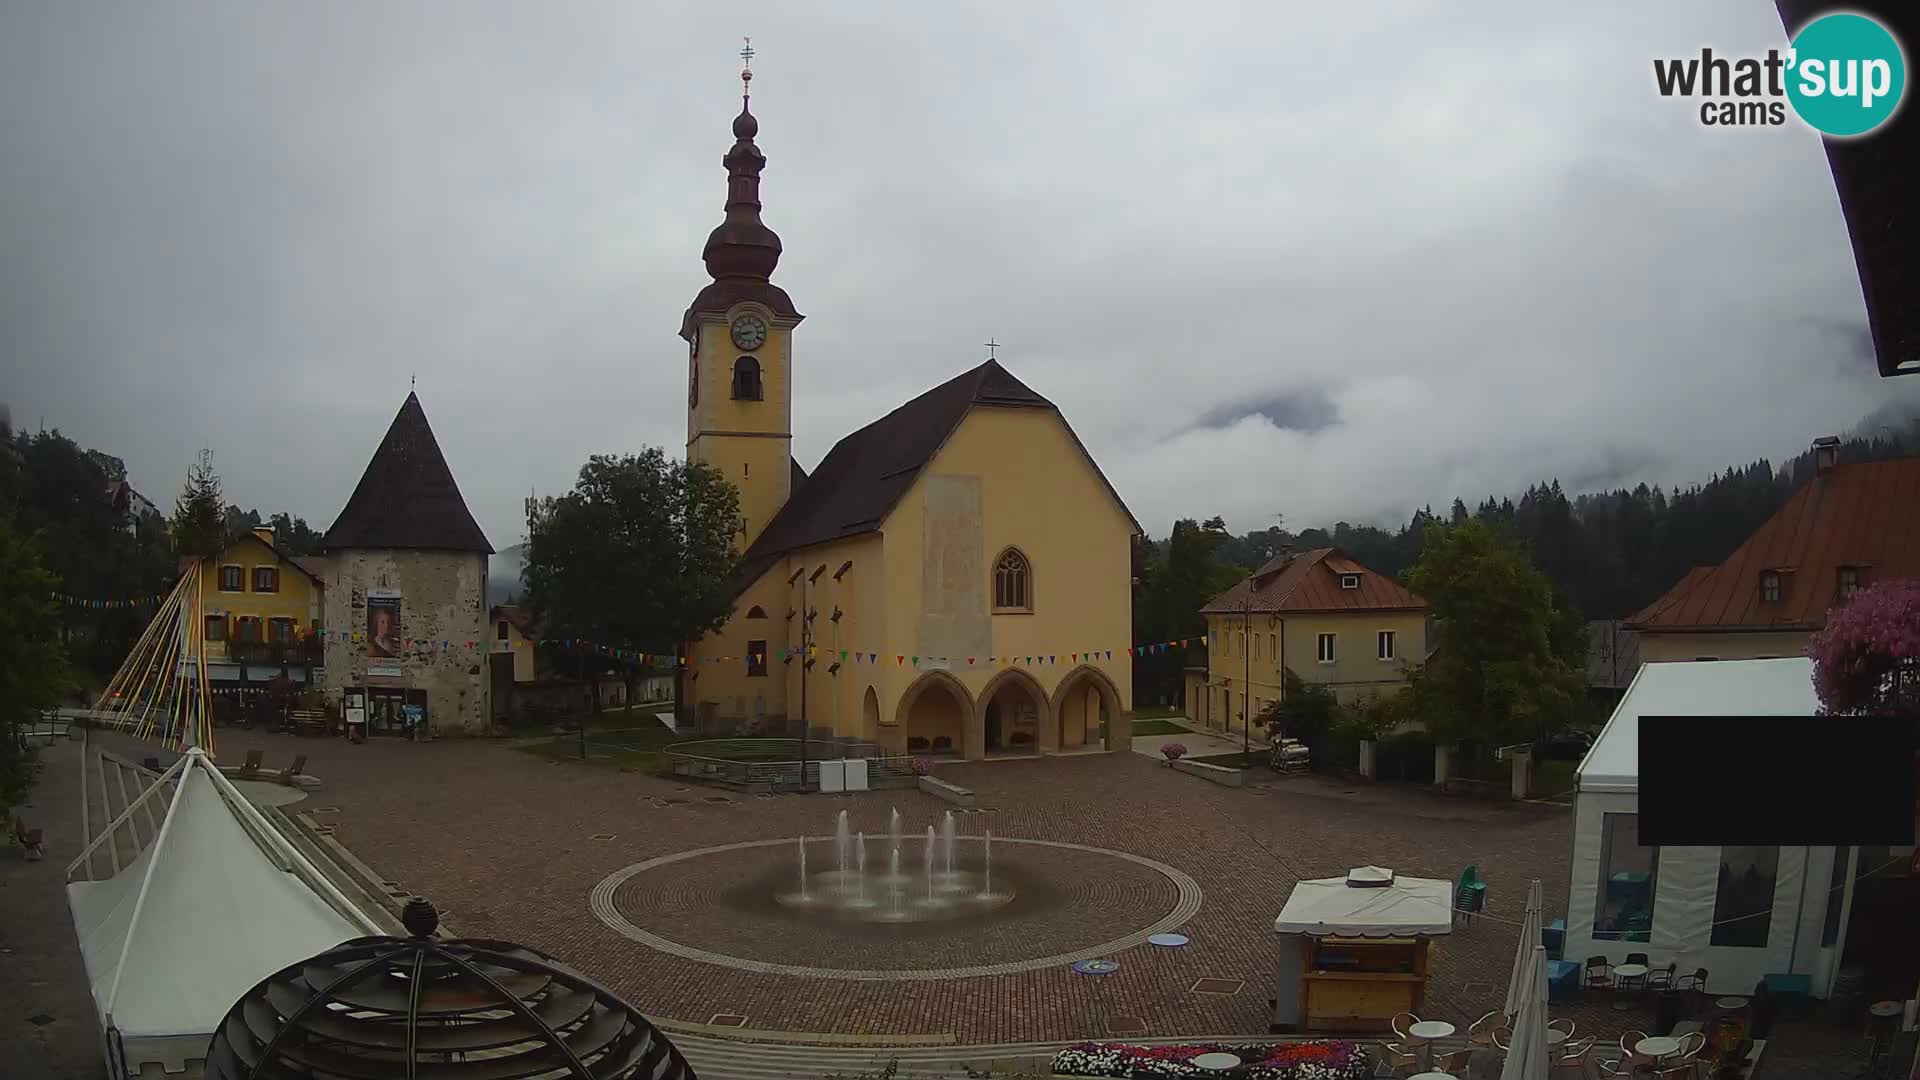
{"x":160,"y":690}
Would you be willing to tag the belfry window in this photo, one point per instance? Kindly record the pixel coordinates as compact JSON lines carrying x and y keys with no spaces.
{"x":746,"y":379}
{"x":1012,"y":582}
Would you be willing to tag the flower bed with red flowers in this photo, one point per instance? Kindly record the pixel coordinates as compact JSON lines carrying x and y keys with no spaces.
{"x":1311,"y":1059}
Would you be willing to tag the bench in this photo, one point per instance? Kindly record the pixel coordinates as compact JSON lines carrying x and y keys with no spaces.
{"x":287,"y":775}
{"x":251,"y":769}
{"x":32,"y":840}
{"x":307,"y":722}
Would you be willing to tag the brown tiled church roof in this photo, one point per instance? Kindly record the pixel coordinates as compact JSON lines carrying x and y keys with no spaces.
{"x":1310,"y":582}
{"x":864,"y":476}
{"x":407,"y":497}
{"x":1865,"y":516}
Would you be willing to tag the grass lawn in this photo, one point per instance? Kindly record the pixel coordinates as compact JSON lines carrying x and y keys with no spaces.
{"x":1158,"y":714}
{"x":1158,"y":727}
{"x":1248,"y":760}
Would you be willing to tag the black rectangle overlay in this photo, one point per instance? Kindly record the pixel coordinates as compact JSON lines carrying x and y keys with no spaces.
{"x":1715,"y":781}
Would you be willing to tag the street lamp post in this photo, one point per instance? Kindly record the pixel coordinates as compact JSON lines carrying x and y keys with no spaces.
{"x":1246,"y":656}
{"x":806,"y":649}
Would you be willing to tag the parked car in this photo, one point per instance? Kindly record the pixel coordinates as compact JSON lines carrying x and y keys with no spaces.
{"x":1566,"y":746}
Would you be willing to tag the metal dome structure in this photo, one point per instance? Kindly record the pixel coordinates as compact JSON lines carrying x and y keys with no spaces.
{"x":382,"y":1008}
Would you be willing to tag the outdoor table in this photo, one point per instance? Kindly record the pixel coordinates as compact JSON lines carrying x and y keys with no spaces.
{"x":1435,"y":1075}
{"x":1554,"y":1037}
{"x":1216,"y":1062}
{"x":1426,"y":1031}
{"x":1657,"y":1047}
{"x":1622,"y":973}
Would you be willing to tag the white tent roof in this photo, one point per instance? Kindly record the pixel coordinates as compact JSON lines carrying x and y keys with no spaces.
{"x":1329,"y":907}
{"x":1693,"y":688}
{"x":204,"y":913}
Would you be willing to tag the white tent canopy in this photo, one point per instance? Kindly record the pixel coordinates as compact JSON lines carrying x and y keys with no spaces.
{"x":1666,"y":902}
{"x":1330,"y":907}
{"x":1698,"y":688}
{"x":218,"y":901}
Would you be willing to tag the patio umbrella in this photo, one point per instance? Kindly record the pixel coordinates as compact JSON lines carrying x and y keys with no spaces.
{"x":1529,"y":937}
{"x":1527,"y":1056}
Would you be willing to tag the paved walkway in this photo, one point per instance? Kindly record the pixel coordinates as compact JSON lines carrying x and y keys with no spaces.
{"x":507,"y":843}
{"x":1198,"y":744}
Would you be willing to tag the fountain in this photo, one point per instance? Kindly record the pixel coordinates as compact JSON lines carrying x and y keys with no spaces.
{"x":927,"y":862}
{"x":946,"y":837}
{"x":949,"y":887}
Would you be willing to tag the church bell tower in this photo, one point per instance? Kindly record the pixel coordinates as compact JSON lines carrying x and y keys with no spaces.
{"x":739,"y":335}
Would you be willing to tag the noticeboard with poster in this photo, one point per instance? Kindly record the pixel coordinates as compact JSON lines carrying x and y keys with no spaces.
{"x":383,"y":624}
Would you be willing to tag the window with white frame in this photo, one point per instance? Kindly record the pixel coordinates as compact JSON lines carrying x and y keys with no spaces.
{"x":1848,"y":581}
{"x":1770,"y":587}
{"x":1385,"y":644}
{"x":1349,"y":581}
{"x":1327,"y":648}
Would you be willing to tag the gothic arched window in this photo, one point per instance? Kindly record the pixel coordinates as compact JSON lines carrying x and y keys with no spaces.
{"x":756,"y":612}
{"x":746,"y":379}
{"x":1012,"y":582}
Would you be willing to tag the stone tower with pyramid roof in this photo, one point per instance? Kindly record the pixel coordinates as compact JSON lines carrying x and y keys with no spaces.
{"x":406,"y":590}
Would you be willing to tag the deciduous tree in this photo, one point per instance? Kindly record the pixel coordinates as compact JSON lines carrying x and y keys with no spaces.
{"x":33,"y":666}
{"x":638,"y":557}
{"x":1497,"y":677}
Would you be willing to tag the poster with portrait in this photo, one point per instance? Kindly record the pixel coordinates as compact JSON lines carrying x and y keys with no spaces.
{"x":383,"y":624}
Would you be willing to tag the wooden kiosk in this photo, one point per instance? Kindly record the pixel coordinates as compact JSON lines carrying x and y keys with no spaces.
{"x":1354,"y":950}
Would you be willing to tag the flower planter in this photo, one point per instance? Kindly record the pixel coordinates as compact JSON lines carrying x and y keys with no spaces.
{"x":940,"y":789}
{"x":1311,"y":1059}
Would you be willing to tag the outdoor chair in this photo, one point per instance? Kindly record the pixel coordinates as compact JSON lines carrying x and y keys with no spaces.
{"x":32,"y":841}
{"x":1400,"y":1023}
{"x":1481,"y":1031}
{"x":287,"y":776}
{"x":252,"y":767}
{"x":1502,"y":1039}
{"x":1397,"y":1057}
{"x":1599,"y":973}
{"x":1632,"y":1058}
{"x":1662,"y":978}
{"x":1573,"y":1055}
{"x":1455,"y":1062}
{"x":1563,"y":1025}
{"x":1696,"y":982}
{"x":1635,"y":982}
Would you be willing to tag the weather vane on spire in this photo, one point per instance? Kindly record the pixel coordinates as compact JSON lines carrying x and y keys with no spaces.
{"x":746,"y":62}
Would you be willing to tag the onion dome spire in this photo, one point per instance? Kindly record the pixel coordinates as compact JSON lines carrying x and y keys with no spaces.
{"x":742,"y":247}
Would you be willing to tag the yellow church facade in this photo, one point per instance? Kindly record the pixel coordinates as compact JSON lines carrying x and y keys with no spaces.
{"x":952,"y":579}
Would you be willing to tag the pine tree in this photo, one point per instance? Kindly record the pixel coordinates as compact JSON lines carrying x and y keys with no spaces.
{"x":199,"y":518}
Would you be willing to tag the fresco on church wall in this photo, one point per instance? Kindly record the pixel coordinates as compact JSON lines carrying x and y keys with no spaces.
{"x":954,"y":618}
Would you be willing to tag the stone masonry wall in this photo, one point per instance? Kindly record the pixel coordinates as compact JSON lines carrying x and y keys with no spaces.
{"x":442,"y":599}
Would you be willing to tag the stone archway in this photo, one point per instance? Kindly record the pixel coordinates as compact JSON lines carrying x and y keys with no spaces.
{"x":870,"y":716}
{"x":1087,"y":711}
{"x":936,"y":716}
{"x":1015,"y":715}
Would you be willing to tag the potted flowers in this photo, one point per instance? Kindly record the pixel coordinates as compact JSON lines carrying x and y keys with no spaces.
{"x":1310,"y":1059}
{"x":1173,"y":752}
{"x":922,"y":767}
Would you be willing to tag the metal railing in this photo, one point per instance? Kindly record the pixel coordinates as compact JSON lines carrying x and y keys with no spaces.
{"x":787,"y":774}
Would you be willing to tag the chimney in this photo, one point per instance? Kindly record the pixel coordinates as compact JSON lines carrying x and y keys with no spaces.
{"x":265,"y":533}
{"x":1826,"y":454}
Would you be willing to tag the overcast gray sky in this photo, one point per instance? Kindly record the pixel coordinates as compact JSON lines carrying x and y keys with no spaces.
{"x":1331,"y":262}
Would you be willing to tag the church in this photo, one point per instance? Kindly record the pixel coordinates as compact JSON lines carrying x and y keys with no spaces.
{"x":954,"y":579}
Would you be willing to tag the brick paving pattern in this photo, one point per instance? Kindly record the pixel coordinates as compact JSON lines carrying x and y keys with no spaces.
{"x":502,"y":842}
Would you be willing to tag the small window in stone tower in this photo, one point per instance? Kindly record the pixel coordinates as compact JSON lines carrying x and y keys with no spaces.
{"x":1012,"y":582}
{"x":746,"y":379}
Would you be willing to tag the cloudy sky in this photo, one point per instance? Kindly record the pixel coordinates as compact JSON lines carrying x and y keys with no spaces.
{"x":1328,"y":262}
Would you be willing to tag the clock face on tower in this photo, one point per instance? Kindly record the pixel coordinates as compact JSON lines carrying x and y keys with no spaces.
{"x":749,"y":332}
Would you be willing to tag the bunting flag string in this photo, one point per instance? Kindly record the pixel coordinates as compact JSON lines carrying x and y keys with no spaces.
{"x":113,"y":604}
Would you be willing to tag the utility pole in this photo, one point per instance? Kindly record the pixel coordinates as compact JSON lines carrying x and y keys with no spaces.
{"x":806,"y":661}
{"x":1246,"y":657}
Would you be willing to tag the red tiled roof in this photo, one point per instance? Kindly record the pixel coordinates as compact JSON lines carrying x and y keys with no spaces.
{"x":314,"y":566}
{"x":1864,"y":515}
{"x":520,"y":617}
{"x":1311,"y":582}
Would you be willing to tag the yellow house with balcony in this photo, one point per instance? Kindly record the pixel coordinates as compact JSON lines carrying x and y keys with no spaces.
{"x":259,"y":604}
{"x":953,"y":578}
{"x":1320,"y":614}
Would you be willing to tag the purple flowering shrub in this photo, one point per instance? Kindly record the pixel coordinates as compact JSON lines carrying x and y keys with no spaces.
{"x":1867,"y":644}
{"x":1174,"y":752}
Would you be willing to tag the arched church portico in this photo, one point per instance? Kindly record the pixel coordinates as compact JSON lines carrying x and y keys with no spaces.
{"x":1015,"y":715}
{"x":1087,"y":712}
{"x":937,"y":716}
